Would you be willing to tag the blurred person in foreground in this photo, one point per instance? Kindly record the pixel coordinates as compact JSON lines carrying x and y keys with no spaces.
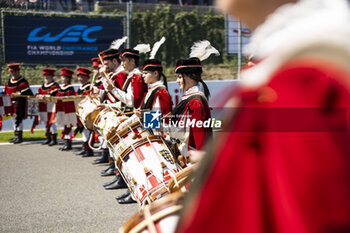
{"x":283,"y":164}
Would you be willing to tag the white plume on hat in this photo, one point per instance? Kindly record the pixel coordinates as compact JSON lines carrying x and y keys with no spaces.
{"x":118,"y":42}
{"x":202,"y":50}
{"x":143,"y":48}
{"x":156,"y":46}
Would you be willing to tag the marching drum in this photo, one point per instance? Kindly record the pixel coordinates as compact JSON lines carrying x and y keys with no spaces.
{"x":119,"y":141}
{"x":107,"y":121}
{"x":161,"y":216}
{"x":147,"y":166}
{"x":86,"y":111}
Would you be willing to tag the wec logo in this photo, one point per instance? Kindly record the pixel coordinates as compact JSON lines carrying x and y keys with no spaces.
{"x":71,"y":34}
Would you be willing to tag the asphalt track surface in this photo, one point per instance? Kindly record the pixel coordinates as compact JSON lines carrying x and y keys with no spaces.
{"x":45,"y":190}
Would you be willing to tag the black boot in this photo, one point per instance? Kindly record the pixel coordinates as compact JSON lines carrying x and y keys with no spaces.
{"x":123,"y":195}
{"x":109,"y":172}
{"x":19,"y":138}
{"x":104,"y":157}
{"x":88,"y":153}
{"x":15,"y":138}
{"x":118,"y":184}
{"x":111,"y":168}
{"x":82,"y":151}
{"x":112,"y":181}
{"x":68,"y":145}
{"x":126,"y":200}
{"x":110,"y":165}
{"x":64,"y":145}
{"x":54,"y":140}
{"x":48,"y":139}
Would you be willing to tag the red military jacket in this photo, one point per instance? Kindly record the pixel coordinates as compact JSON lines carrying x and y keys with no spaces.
{"x":118,"y":81}
{"x":138,"y":86}
{"x":66,"y":90}
{"x":20,"y":85}
{"x":51,"y":89}
{"x":84,"y":89}
{"x":154,"y":94}
{"x":195,"y":105}
{"x":283,"y":163}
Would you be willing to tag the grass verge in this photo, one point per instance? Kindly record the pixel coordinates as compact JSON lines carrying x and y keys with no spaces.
{"x":27,"y":136}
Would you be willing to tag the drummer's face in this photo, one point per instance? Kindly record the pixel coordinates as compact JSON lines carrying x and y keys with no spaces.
{"x":82,"y":79}
{"x":180,"y":81}
{"x":110,"y":67}
{"x":64,"y":79}
{"x":15,"y":73}
{"x":48,"y":78}
{"x":127,"y":63}
{"x":150,"y":76}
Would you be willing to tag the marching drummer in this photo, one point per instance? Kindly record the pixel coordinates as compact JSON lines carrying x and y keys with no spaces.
{"x":134,"y":88}
{"x":193,"y":106}
{"x":49,"y":88}
{"x":130,"y":95}
{"x":66,"y":90}
{"x":83,"y":78}
{"x":17,"y":84}
{"x":114,"y":70}
{"x":156,"y":99}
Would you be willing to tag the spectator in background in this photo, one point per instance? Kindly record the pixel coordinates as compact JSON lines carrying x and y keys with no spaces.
{"x":90,"y":5}
{"x":79,"y":4}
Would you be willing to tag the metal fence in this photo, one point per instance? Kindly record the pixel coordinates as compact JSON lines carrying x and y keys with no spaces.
{"x":89,"y":5}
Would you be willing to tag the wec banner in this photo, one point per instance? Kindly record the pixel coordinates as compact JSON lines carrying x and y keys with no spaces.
{"x":39,"y":39}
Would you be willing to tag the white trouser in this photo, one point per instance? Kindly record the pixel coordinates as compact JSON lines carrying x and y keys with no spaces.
{"x":19,"y":127}
{"x":86,"y":134}
{"x":69,"y":135}
{"x":104,"y":144}
{"x":53,"y":128}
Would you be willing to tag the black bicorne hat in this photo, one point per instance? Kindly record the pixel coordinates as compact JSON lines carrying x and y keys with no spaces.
{"x":190,"y":65}
{"x":109,"y":54}
{"x":152,"y":65}
{"x":132,"y":53}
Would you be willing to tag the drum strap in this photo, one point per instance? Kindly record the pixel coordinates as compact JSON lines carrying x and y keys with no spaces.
{"x":176,"y":113}
{"x":126,"y":84}
{"x":125,"y":88}
{"x":147,"y":104}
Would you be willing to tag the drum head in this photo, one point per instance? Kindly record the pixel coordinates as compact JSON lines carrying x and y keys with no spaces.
{"x":90,"y":119}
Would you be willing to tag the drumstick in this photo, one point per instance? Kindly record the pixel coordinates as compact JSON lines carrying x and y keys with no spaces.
{"x":49,"y":98}
{"x":92,"y":81}
{"x":165,"y":116}
{"x":136,"y":135}
{"x":107,"y":76}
